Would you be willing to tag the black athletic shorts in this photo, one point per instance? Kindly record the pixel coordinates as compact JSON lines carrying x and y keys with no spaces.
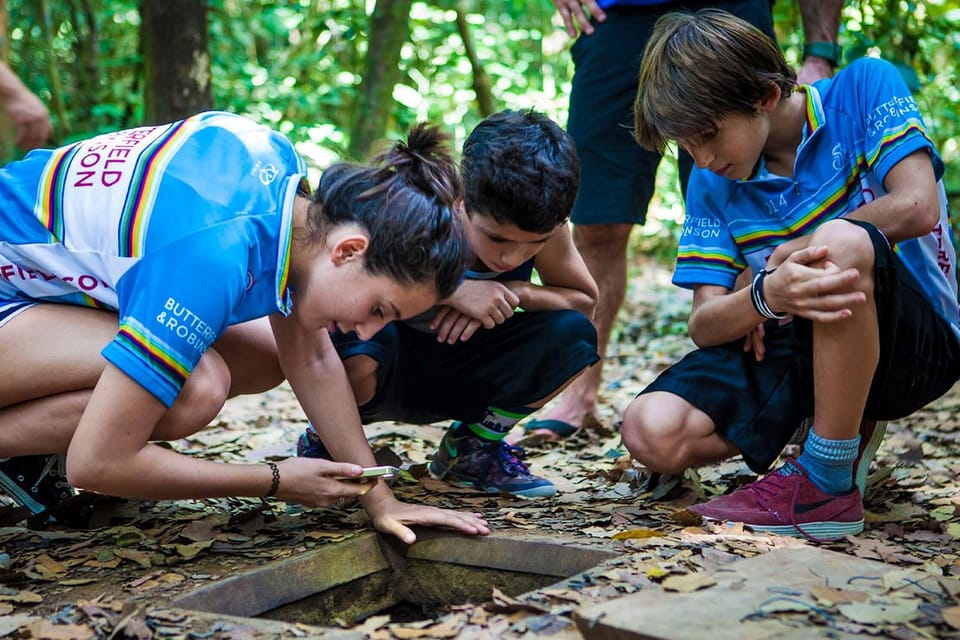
{"x":513,"y":365}
{"x":758,"y":405}
{"x":616,"y":174}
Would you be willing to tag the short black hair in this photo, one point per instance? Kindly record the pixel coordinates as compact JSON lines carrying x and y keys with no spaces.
{"x":520,"y":168}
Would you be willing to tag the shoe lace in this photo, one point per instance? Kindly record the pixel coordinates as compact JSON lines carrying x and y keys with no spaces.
{"x":774,"y":484}
{"x":511,"y":459}
{"x":56,"y":468}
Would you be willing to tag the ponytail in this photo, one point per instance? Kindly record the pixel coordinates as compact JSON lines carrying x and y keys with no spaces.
{"x":406,"y":199}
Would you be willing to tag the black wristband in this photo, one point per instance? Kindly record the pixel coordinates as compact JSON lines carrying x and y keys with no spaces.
{"x":758,"y":299}
{"x":829,"y":51}
{"x":275,"y":483}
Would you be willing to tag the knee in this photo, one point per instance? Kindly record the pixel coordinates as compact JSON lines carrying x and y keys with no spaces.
{"x":850,"y":245}
{"x":362,"y":372}
{"x":200,"y":400}
{"x":652,"y":437}
{"x":602,"y":239}
{"x":270,"y":376}
{"x":568,"y":328}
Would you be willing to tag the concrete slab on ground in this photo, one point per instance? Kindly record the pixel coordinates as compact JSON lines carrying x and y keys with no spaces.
{"x":773,"y":595}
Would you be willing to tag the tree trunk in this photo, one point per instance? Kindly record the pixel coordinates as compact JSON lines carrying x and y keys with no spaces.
{"x":86,"y":66}
{"x":57,"y":104}
{"x":481,"y":81}
{"x":176,"y":59}
{"x":389,"y":29}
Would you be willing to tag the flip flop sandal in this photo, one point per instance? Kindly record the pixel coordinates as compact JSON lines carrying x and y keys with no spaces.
{"x":558,"y":427}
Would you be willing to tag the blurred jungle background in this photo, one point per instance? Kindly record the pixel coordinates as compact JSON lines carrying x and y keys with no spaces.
{"x":338,"y":75}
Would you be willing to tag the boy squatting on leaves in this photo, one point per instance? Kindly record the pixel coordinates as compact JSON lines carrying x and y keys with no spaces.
{"x":830,"y":199}
{"x":474,"y":358}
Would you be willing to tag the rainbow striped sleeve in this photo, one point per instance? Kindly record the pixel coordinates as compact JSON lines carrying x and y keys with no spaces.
{"x":697,"y":266}
{"x":892,"y":145}
{"x":49,"y":206}
{"x":148,"y":360}
{"x":135,"y":219}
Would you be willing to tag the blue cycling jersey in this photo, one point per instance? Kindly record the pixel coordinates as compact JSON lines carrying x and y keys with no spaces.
{"x":183,"y":229}
{"x":860,"y":123}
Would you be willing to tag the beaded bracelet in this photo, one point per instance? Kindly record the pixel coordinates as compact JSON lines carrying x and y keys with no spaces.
{"x":758,"y":299}
{"x":275,"y":483}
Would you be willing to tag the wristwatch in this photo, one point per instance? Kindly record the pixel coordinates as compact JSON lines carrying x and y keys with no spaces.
{"x":829,"y":51}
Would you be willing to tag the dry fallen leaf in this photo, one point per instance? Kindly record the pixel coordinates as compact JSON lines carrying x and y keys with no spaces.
{"x":638,"y":534}
{"x":689,"y":582}
{"x":830,"y":596}
{"x":50,"y":631}
{"x":882,"y":610}
{"x":951,"y":615}
{"x":22,"y":597}
{"x":133,"y":555}
{"x":10,"y":623}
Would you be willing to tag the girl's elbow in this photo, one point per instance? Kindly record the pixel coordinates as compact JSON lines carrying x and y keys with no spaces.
{"x":86,"y":473}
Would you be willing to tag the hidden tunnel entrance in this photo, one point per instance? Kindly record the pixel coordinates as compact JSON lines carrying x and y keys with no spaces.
{"x":344,"y":583}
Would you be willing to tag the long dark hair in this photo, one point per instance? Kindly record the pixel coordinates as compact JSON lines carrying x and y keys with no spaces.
{"x":406,"y":199}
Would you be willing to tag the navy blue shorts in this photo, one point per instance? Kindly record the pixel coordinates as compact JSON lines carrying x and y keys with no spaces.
{"x":616,"y":174}
{"x":10,"y":309}
{"x":515,"y":364}
{"x":758,"y":405}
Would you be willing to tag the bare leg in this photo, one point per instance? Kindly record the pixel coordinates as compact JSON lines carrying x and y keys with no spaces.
{"x":604,"y":249}
{"x":845,"y":353}
{"x":250,"y":352}
{"x":362,"y":372}
{"x":41,"y":405}
{"x":665,"y":433}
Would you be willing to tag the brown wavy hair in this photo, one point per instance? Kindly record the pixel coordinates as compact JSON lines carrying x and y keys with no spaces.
{"x":698,"y":68}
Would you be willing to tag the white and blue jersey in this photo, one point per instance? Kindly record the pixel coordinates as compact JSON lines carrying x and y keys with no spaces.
{"x":183,"y":229}
{"x":860,"y":123}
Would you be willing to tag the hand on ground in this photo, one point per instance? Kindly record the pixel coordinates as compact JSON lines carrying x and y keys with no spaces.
{"x":391,"y":516}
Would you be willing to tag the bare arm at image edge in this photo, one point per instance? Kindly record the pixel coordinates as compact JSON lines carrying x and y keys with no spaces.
{"x":25,"y":110}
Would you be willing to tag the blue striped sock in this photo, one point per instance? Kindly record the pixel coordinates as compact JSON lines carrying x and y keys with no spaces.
{"x":829,"y":463}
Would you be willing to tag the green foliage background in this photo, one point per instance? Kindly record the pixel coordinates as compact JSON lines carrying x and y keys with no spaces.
{"x":297,"y":65}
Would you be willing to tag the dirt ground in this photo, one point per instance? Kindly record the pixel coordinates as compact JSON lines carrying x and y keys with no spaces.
{"x":110,"y":574}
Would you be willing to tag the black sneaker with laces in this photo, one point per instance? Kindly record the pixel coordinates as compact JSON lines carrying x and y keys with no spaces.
{"x":37,"y":482}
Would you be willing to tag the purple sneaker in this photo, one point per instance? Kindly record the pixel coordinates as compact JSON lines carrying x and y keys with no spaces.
{"x":491,"y":466}
{"x":309,"y":445}
{"x":787,"y":502}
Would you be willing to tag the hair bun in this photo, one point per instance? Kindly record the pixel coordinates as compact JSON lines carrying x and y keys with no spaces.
{"x":425,"y":161}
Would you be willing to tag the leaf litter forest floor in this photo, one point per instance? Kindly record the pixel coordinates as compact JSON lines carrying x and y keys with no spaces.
{"x":110,"y":575}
